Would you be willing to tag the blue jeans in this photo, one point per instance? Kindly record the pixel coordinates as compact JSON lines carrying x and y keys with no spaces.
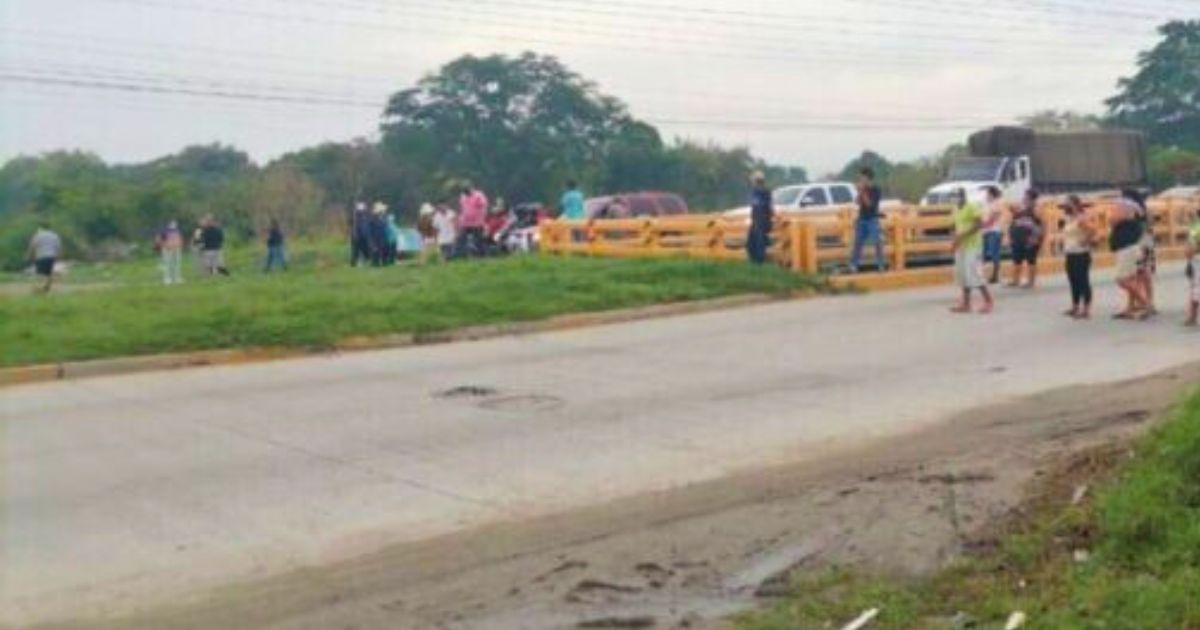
{"x":867,"y":231}
{"x":757,"y":241}
{"x":993,"y":242}
{"x":276,"y":255}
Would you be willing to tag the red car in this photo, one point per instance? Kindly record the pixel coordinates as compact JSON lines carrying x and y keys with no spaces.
{"x":636,"y":204}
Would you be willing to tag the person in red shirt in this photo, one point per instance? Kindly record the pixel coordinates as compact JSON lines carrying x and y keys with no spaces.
{"x":472,"y":219}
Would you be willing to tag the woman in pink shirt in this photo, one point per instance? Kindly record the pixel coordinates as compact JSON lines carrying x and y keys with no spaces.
{"x":472,"y":217}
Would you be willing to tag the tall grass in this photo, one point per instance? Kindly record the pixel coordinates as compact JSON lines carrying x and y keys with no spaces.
{"x":321,"y":301}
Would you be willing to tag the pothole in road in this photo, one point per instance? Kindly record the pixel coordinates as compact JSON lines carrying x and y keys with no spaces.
{"x":467,"y":391}
{"x":527,"y":402}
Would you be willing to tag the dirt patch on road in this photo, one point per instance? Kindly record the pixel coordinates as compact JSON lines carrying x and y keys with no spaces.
{"x":686,"y":558}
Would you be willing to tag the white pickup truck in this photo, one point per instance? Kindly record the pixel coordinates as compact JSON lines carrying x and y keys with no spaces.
{"x":818,"y":199}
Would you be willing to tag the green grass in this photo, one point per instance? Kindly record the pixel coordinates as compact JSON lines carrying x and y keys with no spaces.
{"x":1143,"y":531}
{"x":322,"y":301}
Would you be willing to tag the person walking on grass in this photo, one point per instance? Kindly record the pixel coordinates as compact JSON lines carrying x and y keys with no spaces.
{"x":428,"y":232}
{"x":867,"y":226}
{"x":276,"y":252}
{"x":472,"y":218}
{"x":169,"y":243}
{"x":1125,"y":240}
{"x":1193,"y":275}
{"x":212,"y":243}
{"x":762,"y":218}
{"x":45,"y":248}
{"x":1025,"y":238}
{"x":993,"y":232}
{"x":1079,"y":233}
{"x":968,"y":254}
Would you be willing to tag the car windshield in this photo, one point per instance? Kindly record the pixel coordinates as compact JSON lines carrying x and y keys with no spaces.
{"x":787,"y":196}
{"x":975,"y":169}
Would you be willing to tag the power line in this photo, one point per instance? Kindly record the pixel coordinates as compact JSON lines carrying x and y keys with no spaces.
{"x":133,"y":86}
{"x":889,"y":58}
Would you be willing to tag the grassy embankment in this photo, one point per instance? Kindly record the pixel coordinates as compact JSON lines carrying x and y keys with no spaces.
{"x":121,"y":309}
{"x":1141,"y":572}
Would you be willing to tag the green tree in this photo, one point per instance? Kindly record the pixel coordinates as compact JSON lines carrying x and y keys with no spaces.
{"x":869,"y":159}
{"x":518,"y":127}
{"x":1163,"y":98}
{"x":1172,"y":166}
{"x":1065,"y":120}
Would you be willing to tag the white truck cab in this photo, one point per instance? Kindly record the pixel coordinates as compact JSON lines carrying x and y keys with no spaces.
{"x":814,"y":198}
{"x":1012,"y":175}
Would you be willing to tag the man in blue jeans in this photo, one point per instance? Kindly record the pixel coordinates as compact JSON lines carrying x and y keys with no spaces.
{"x":866,"y":226}
{"x":762,"y":217}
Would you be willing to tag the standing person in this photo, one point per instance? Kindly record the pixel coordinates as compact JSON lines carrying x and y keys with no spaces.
{"x":762,"y":216}
{"x":212,"y":242}
{"x":393,"y":240}
{"x":867,"y":225}
{"x":472,"y":207}
{"x":968,"y":254}
{"x":45,"y":248}
{"x":428,"y":232}
{"x":571,"y":208}
{"x":1125,"y":240}
{"x":445,"y":226}
{"x":169,"y":243}
{"x":993,"y":232}
{"x":1025,"y":237}
{"x":377,"y":234}
{"x":1193,"y":275}
{"x":1148,"y":263}
{"x":276,"y":253}
{"x":360,"y":235}
{"x":1079,"y":233}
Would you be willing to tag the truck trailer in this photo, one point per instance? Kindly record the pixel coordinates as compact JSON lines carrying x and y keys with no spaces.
{"x":1015,"y":159}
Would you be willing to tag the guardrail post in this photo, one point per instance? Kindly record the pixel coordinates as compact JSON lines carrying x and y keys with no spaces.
{"x":808,"y":245}
{"x":899,"y":238}
{"x":795,"y":244}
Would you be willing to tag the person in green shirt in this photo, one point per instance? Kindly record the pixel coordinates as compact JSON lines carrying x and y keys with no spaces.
{"x":571,"y":203}
{"x":968,"y":253}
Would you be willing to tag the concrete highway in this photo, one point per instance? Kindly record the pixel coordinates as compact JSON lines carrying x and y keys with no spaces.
{"x":123,"y":492}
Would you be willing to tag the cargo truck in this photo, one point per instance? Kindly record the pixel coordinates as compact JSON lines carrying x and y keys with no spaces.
{"x":1015,"y":159}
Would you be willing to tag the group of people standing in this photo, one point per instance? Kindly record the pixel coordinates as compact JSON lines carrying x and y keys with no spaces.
{"x":978,"y":240}
{"x":979,"y":234}
{"x":374,"y":235}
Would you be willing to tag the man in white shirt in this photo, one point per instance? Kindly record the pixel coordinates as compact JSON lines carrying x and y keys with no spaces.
{"x":446,"y":228}
{"x":993,"y":231}
{"x":44,"y":250}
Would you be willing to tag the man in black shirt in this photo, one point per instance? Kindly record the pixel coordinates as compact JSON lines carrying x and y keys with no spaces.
{"x":867,"y":225}
{"x":212,"y":240}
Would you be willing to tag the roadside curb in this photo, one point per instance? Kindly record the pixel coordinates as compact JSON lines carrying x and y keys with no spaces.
{"x":935,"y":276}
{"x":72,"y":370}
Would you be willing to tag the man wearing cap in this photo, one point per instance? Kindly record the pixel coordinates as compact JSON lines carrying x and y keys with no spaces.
{"x":762,"y":215}
{"x":360,"y":235}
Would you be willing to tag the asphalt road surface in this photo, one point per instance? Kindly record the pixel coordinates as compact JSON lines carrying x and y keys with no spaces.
{"x":125,"y":492}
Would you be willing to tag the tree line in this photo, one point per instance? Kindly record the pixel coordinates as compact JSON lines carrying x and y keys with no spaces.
{"x":520,"y":128}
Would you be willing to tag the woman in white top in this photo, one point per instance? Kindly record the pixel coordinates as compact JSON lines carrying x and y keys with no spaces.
{"x":1078,"y":235}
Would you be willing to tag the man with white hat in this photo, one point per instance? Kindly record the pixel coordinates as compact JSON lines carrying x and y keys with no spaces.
{"x":360,"y":235}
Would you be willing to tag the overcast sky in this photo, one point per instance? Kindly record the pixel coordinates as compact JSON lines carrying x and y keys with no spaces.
{"x":808,"y":82}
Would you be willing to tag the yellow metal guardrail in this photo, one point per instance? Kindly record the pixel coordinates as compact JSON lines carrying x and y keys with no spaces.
{"x":912,"y":234}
